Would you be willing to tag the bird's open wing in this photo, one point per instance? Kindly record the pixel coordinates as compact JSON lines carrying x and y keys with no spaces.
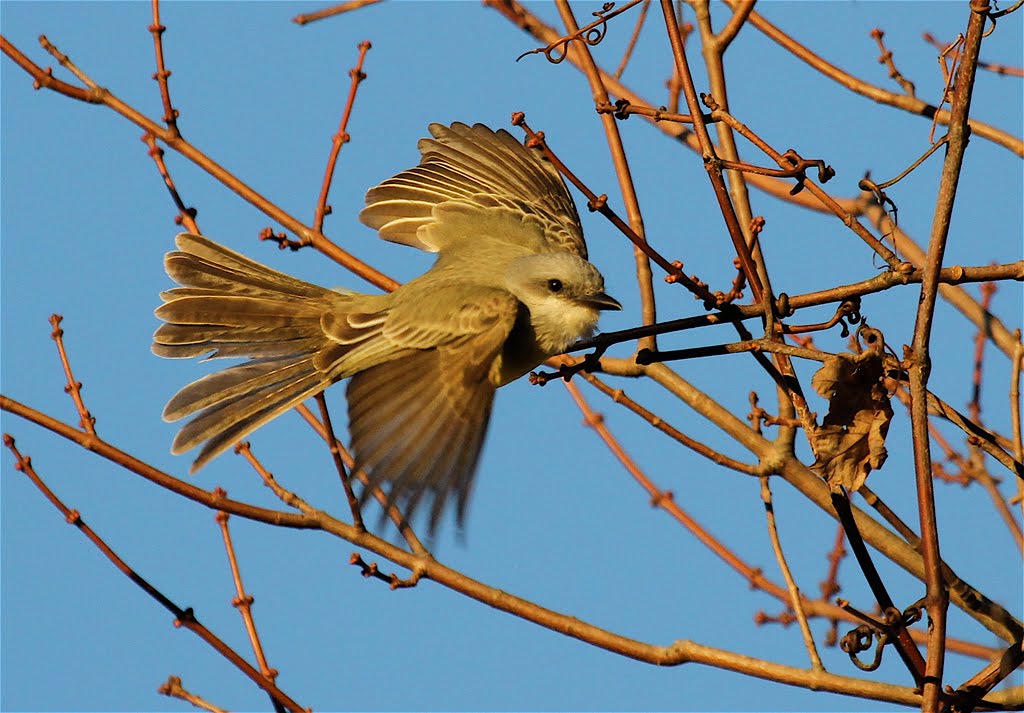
{"x":419,"y":421}
{"x":510,"y":192}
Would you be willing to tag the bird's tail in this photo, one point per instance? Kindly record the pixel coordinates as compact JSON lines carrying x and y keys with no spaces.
{"x":231,"y":306}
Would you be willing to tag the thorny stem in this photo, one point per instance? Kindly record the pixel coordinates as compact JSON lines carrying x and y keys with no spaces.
{"x":182,"y":617}
{"x":937,"y":597}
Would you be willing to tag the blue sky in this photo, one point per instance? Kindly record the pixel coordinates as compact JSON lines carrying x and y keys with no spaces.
{"x":86,"y":221}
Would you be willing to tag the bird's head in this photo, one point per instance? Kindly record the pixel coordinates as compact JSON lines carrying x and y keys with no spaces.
{"x":564,"y":295}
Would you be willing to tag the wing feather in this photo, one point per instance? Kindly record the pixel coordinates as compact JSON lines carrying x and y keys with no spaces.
{"x":418,"y":422}
{"x":475,"y":167}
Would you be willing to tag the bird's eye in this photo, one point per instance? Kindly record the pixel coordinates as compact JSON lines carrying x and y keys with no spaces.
{"x":555,"y":285}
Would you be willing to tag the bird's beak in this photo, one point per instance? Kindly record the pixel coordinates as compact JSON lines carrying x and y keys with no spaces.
{"x":603,"y":300}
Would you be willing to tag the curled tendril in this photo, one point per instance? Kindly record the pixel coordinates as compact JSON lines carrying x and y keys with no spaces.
{"x":913,"y":613}
{"x":848,"y":313}
{"x":872,"y":340}
{"x":592,"y":34}
{"x":859,"y":640}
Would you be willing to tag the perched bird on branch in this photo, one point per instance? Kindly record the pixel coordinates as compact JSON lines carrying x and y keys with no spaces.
{"x":511,"y":287}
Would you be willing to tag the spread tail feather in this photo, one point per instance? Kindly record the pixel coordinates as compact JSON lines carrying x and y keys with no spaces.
{"x":231,"y":306}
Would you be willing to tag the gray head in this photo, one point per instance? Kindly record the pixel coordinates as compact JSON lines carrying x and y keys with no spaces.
{"x":564,"y":294}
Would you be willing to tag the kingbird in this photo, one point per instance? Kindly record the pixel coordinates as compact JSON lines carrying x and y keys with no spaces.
{"x":511,"y":286}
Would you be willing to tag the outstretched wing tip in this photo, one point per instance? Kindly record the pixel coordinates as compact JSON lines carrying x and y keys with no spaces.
{"x":474,"y":165}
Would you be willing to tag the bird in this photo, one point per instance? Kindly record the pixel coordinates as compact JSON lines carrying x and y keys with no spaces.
{"x":511,"y":286}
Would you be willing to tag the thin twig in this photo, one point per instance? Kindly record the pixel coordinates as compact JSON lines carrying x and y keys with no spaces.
{"x":162,"y":73}
{"x":335,"y":448}
{"x":617,"y":151}
{"x":904,"y":644}
{"x":340,"y":138}
{"x":619,"y":396}
{"x":173,"y":688}
{"x":988,"y":290}
{"x":66,"y":62}
{"x":306,"y":234}
{"x":182,"y":617}
{"x":1015,"y":410}
{"x":306,"y":18}
{"x":877,"y":94}
{"x":987,"y":66}
{"x":970,"y":693}
{"x":632,"y":40}
{"x":886,"y":59}
{"x":186,"y":216}
{"x":286,"y":496}
{"x":598,"y":203}
{"x":588,"y":36}
{"x":794,"y":591}
{"x":937,"y":596}
{"x":993,"y":616}
{"x":826,"y":200}
{"x":346,"y":458}
{"x":711,"y":160}
{"x":243,"y":601}
{"x":74,"y":388}
{"x":732,"y":28}
{"x":830,"y":585}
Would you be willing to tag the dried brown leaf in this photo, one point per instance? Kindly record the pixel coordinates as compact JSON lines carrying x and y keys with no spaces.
{"x":851,"y":441}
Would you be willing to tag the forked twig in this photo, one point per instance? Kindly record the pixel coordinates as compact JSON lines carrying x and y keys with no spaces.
{"x":182,"y":617}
